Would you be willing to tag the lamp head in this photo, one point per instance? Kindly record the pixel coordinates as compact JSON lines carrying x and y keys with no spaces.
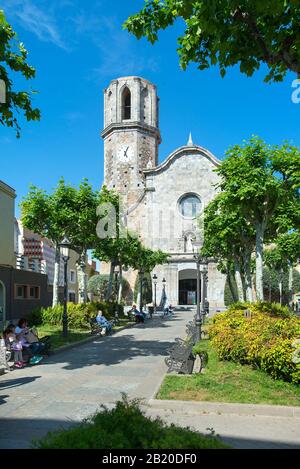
{"x":64,"y":247}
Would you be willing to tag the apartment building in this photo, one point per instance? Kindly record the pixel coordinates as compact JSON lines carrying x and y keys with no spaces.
{"x":21,"y":290}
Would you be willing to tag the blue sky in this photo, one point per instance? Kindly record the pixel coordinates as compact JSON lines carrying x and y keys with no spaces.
{"x":78,"y":47}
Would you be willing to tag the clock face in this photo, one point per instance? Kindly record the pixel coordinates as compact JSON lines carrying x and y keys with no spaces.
{"x":125,"y":153}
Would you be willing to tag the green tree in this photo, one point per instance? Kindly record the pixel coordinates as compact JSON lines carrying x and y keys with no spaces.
{"x":282,"y":258}
{"x":147,"y":288}
{"x":228,"y":32}
{"x":127,"y":251}
{"x":118,"y":251}
{"x":97,"y":285}
{"x":271,"y":285}
{"x":82,"y":233}
{"x":113,"y":244}
{"x":118,"y":246}
{"x":50,"y":216}
{"x":13,"y":60}
{"x":66,"y":211}
{"x":276,"y":263}
{"x":259,"y":192}
{"x":230,"y":239}
{"x":145,"y":261}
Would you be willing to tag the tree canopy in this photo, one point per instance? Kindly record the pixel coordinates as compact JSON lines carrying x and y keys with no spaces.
{"x":13,"y":60}
{"x":66,"y":211}
{"x":228,"y":32}
{"x":259,"y":205}
{"x":261,"y":185}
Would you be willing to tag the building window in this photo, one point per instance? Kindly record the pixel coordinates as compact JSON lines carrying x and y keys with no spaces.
{"x":126,"y":104}
{"x":20,"y":292}
{"x":34,"y":293}
{"x":27,"y":292}
{"x":72,"y":297}
{"x":72,"y":276}
{"x":190,"y":206}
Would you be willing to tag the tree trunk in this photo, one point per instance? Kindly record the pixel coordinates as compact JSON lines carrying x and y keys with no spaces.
{"x":120,"y":285}
{"x":259,"y":262}
{"x":82,"y":278}
{"x":291,"y":278}
{"x":248,"y":277}
{"x":110,"y":282}
{"x":238,"y":279}
{"x":280,"y":275}
{"x":231,"y":286}
{"x":55,"y":298}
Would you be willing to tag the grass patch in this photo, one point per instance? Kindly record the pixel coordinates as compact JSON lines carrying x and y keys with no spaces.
{"x":57,"y":339}
{"x":225,"y":381}
{"x":127,"y":427}
{"x":74,"y":335}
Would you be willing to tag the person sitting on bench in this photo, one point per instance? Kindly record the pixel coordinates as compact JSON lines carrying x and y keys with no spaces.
{"x":28,"y":336}
{"x":139,"y":316}
{"x":104,"y":323}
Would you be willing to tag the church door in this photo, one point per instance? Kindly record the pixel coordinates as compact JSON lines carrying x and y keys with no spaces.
{"x":188,"y":291}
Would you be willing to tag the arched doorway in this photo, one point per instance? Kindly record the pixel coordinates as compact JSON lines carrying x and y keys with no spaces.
{"x":2,"y":306}
{"x":187,"y":288}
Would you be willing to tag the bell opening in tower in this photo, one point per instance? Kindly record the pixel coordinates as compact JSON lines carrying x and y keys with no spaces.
{"x":126,"y":101}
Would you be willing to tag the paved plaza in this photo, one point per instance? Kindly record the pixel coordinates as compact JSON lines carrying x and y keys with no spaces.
{"x":73,"y":384}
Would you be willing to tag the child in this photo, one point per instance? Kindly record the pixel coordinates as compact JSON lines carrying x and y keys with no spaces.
{"x":15,"y":345}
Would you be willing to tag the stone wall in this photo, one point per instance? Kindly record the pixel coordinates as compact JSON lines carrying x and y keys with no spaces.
{"x":190,"y":170}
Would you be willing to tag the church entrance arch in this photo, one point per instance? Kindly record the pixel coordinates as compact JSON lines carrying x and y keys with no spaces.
{"x":187,"y":288}
{"x":2,"y":306}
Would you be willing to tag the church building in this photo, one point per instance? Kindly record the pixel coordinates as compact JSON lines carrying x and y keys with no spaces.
{"x":163,"y":202}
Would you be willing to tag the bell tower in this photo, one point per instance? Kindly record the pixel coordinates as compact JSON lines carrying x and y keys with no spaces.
{"x":131,"y":135}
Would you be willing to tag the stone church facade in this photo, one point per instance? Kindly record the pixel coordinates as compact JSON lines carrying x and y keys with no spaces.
{"x":163,"y":202}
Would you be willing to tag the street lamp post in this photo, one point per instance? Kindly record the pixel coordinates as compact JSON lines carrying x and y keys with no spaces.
{"x":117,"y":273}
{"x":155,"y":278}
{"x":141,"y":274}
{"x":204,"y":308}
{"x":197,"y":257}
{"x":64,"y":248}
{"x":164,"y":292}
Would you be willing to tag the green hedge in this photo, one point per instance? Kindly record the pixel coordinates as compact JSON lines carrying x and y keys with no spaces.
{"x":78,"y":314}
{"x":268,"y":338}
{"x":126,"y":427}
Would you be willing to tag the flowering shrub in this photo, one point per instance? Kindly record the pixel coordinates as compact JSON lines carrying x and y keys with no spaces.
{"x":269,"y":340}
{"x":78,"y":314}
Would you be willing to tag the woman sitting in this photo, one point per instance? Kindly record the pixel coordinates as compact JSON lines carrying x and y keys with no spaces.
{"x":104,"y":323}
{"x":30,"y":336}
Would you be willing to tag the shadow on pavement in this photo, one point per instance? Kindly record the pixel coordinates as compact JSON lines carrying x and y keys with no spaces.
{"x":13,"y":383}
{"x":110,"y":351}
{"x":19,"y":433}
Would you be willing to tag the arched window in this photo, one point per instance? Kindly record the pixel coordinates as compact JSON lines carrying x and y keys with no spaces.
{"x":190,"y":205}
{"x":126,"y":104}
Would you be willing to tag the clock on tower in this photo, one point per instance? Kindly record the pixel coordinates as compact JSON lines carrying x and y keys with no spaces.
{"x":125,"y":153}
